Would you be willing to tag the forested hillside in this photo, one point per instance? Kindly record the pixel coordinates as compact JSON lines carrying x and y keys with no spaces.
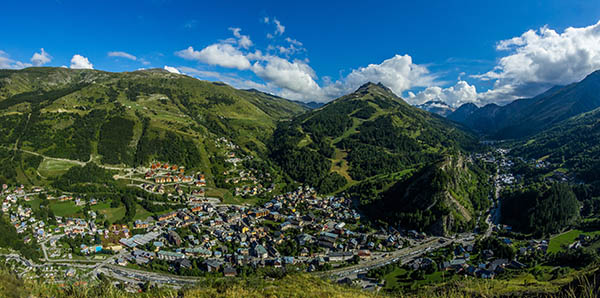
{"x":375,"y":137}
{"x":574,"y":144}
{"x":131,"y":118}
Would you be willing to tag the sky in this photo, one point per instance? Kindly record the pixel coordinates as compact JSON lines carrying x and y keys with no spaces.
{"x":454,"y":51}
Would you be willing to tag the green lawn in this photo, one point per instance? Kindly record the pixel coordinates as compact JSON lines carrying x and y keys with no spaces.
{"x":53,"y":168}
{"x":239,"y":200}
{"x":112,"y":214}
{"x":66,"y":208}
{"x":141,"y":213}
{"x":567,"y":238}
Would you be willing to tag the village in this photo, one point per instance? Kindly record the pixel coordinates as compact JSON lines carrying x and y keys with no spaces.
{"x":200,"y":235}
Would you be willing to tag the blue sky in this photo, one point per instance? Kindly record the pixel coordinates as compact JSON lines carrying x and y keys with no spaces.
{"x":454,"y":51}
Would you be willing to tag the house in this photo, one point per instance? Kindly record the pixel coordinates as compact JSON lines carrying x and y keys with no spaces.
{"x":340,"y":256}
{"x":229,"y":272}
{"x":70,"y":272}
{"x":304,"y":239}
{"x":167,"y":216}
{"x":364,"y":253}
{"x":212,"y":265}
{"x":261,"y":213}
{"x":169,"y":255}
{"x":121,"y":261}
{"x":260,"y":251}
{"x":183,"y":264}
{"x":138,"y":224}
{"x":327,"y":239}
{"x":485,"y":274}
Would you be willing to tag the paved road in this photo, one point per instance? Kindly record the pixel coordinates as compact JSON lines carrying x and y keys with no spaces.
{"x":378,"y":260}
{"x":493,"y":217}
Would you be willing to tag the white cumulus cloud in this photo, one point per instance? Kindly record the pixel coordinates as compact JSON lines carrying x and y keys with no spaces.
{"x":296,"y":78}
{"x":399,"y":73}
{"x":242,"y":40}
{"x":221,"y":54}
{"x":80,"y":62}
{"x":454,"y":96}
{"x":539,"y":59}
{"x":41,"y":58}
{"x":287,"y":76}
{"x":7,"y":62}
{"x":122,"y":55}
{"x":172,"y":69}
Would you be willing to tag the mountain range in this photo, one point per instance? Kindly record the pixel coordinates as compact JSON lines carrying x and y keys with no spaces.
{"x":525,"y":117}
{"x":370,"y":145}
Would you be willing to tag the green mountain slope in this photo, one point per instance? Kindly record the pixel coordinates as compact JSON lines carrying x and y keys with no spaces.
{"x":441,"y":198}
{"x":369,"y":136}
{"x":573,"y":144}
{"x":132,"y":118}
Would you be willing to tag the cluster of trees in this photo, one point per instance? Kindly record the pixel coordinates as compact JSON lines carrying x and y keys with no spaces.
{"x":115,"y":137}
{"x":73,"y":141}
{"x":332,"y":182}
{"x":540,"y":209}
{"x":382,"y":132}
{"x":172,"y":147}
{"x":90,"y":173}
{"x":367,"y":160}
{"x":365,"y":113}
{"x":576,"y":258}
{"x":9,"y":238}
{"x":300,"y":163}
{"x":40,"y":96}
{"x":332,"y":120}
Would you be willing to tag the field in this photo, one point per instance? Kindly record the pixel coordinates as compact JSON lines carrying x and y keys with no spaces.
{"x":141,"y":213}
{"x":557,"y":242}
{"x":53,"y":168}
{"x":401,"y":278}
{"x":66,"y":208}
{"x":239,"y":200}
{"x":112,"y":214}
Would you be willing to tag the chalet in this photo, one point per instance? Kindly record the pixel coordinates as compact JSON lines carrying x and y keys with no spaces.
{"x":138,"y":224}
{"x":260,"y":251}
{"x":183,"y":264}
{"x":212,"y":265}
{"x":167,"y":216}
{"x":202,"y":252}
{"x":65,"y":198}
{"x":261,"y":213}
{"x":229,"y":272}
